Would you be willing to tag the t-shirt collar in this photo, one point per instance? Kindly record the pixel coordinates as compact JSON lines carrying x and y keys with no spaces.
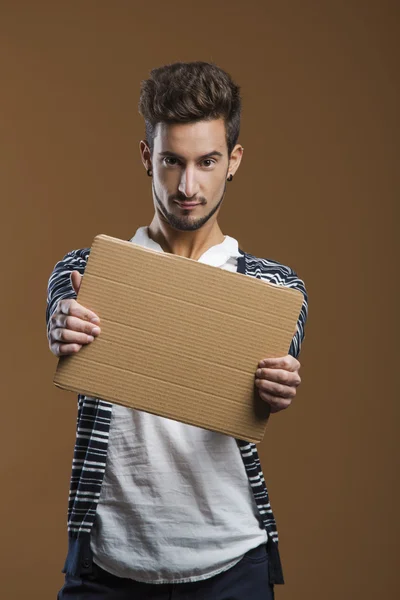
{"x":216,"y":256}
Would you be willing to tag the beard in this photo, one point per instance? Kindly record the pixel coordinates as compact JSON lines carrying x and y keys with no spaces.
{"x":185,"y":223}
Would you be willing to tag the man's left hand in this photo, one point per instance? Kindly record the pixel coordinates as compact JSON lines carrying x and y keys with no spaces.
{"x":277,"y":380}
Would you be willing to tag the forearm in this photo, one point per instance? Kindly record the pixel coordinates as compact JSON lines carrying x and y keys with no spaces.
{"x":59,"y":285}
{"x":295,"y":283}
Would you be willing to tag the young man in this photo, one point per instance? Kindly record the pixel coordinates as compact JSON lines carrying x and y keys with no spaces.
{"x":158,"y":507}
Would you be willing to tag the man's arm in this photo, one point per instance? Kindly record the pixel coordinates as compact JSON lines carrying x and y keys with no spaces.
{"x":69,"y":324}
{"x":298,"y":284}
{"x":277,"y":379}
{"x":59,"y":286}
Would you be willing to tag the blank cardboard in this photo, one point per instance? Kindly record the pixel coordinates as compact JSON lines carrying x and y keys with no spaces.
{"x":179,"y":338}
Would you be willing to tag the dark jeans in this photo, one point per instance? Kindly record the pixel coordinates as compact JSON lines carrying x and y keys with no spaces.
{"x":247,"y":580}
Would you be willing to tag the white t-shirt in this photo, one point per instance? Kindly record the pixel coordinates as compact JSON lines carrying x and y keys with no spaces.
{"x":176,"y":503}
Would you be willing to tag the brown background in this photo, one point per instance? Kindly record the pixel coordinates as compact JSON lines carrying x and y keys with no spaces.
{"x":316,"y":190}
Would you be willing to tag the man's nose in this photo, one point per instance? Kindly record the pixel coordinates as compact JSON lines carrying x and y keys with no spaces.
{"x":188,"y":185}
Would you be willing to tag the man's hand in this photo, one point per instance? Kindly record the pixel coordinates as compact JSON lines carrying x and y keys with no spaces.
{"x":277,"y":380}
{"x":72,"y":325}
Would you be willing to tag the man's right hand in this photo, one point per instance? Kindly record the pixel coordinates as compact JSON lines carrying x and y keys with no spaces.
{"x":72,"y":325}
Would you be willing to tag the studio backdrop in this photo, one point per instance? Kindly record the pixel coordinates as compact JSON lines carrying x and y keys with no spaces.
{"x":317,"y":190}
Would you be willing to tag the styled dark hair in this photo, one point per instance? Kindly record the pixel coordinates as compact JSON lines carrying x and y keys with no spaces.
{"x":185,"y":92}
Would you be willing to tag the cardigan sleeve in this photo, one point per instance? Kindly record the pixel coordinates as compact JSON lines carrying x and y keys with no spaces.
{"x":59,"y":285}
{"x":294,"y":282}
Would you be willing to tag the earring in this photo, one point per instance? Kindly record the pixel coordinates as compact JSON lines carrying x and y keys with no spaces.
{"x":230,"y":177}
{"x":149,"y":172}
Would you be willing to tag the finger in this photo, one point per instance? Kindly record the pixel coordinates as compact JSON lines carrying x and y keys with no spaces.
{"x":72,"y":307}
{"x":76,"y":279}
{"x":280,"y":376}
{"x":75,"y":324}
{"x":275,"y":403}
{"x":275,"y":389}
{"x":68,"y":336}
{"x":289,"y":363}
{"x":64,"y":349}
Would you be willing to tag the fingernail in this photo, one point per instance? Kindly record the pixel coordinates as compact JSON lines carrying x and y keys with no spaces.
{"x":258,"y":372}
{"x":95,"y":320}
{"x":96,"y":330}
{"x":90,"y":338}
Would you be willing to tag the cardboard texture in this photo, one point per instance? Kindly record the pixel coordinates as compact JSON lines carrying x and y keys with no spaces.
{"x":179,"y":338}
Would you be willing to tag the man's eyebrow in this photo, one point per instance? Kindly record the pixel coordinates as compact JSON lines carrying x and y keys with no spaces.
{"x":204,"y":156}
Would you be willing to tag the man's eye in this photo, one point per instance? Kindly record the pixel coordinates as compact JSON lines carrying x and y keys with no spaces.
{"x":208,"y":162}
{"x":170,"y":161}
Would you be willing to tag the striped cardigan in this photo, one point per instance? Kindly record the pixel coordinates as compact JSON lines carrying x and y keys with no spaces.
{"x":94,"y":417}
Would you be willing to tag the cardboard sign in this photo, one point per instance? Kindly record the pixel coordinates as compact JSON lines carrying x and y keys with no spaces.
{"x":179,"y":339}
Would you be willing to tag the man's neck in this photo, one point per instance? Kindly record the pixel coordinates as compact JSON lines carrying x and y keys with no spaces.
{"x":190,"y":244}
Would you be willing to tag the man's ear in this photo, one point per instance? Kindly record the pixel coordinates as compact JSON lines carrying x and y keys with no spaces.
{"x":235,"y":159}
{"x":145,"y":153}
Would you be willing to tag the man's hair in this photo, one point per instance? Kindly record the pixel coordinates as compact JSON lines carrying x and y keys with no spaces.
{"x":186,"y":92}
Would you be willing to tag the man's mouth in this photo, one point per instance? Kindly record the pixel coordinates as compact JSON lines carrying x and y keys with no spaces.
{"x":187,"y":205}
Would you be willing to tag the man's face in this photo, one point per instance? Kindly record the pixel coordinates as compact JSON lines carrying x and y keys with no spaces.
{"x":190,"y":164}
